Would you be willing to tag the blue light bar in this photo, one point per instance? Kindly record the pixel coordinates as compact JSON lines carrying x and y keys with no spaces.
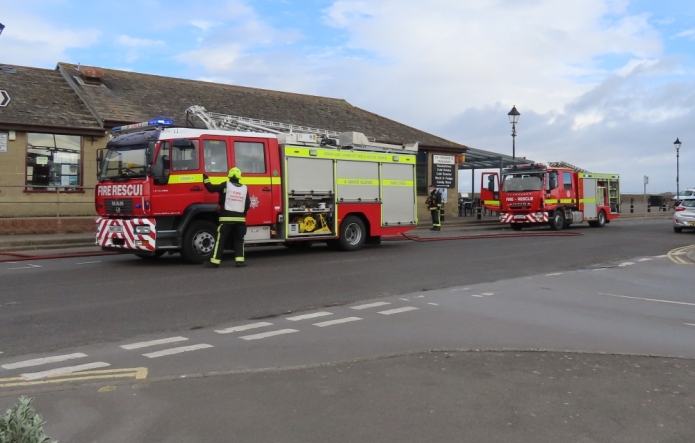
{"x":143,"y":125}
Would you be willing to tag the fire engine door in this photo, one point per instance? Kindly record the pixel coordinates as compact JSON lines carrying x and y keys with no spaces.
{"x":251,"y":156}
{"x":490,"y":191}
{"x":185,"y":178}
{"x":215,"y":162}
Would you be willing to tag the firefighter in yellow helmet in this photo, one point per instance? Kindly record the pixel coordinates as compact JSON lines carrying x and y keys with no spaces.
{"x":234,"y":204}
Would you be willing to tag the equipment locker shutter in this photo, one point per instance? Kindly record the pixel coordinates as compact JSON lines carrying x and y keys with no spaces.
{"x":358,"y":181}
{"x":590,"y":209}
{"x":305,"y":175}
{"x":398,"y":193}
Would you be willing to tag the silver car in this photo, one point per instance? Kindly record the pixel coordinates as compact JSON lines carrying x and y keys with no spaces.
{"x":684,"y":218}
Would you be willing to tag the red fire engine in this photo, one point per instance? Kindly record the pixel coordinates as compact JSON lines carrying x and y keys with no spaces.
{"x":342,"y":189}
{"x":559,"y":195}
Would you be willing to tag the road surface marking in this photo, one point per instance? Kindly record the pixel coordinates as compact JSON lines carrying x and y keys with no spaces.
{"x":689,"y":324}
{"x":674,"y":254}
{"x":42,"y":361}
{"x":268,"y":334}
{"x":323,"y":324}
{"x":179,"y":350}
{"x":650,"y":299}
{"x":627,"y":263}
{"x":26,"y":267}
{"x":370,"y":305}
{"x":554,"y":274}
{"x":398,"y":310}
{"x":65,"y":370}
{"x":644,"y":259}
{"x":433,"y":304}
{"x":137,"y":373}
{"x":88,"y":262}
{"x":404,"y":299}
{"x":487,"y":294}
{"x":307,"y":316}
{"x":661,"y":256}
{"x":262,"y":324}
{"x":161,"y":341}
{"x":476,"y":295}
{"x":420,"y":296}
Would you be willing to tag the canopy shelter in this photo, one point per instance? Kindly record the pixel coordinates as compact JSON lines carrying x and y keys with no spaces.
{"x":479,"y":159}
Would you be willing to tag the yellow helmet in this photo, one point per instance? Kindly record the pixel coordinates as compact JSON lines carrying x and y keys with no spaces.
{"x":234,"y":172}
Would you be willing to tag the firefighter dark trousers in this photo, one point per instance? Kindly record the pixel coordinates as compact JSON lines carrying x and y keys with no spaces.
{"x":237,"y":230}
{"x":436,"y":216}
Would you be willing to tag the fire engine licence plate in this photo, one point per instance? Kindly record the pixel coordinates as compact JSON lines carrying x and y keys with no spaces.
{"x":519,"y":217}
{"x":115,"y":229}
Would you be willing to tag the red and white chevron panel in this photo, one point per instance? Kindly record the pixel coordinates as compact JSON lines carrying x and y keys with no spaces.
{"x":120,"y":233}
{"x":523,"y":218}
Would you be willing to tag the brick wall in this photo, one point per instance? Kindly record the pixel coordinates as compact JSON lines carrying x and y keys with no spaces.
{"x":46,"y":225}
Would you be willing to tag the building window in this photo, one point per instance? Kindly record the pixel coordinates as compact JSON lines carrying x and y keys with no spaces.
{"x":250,"y":157}
{"x":53,"y":161}
{"x":421,"y":173}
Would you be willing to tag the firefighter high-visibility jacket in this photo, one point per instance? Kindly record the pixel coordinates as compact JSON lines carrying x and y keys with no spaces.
{"x":222,"y":190}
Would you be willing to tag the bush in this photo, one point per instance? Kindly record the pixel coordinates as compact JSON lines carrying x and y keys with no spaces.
{"x":21,"y":424}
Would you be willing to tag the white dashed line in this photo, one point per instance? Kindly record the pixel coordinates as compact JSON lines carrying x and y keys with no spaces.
{"x":661,"y":256}
{"x":650,"y":299}
{"x":268,"y":334}
{"x":460,"y":289}
{"x":323,"y":324}
{"x":43,"y":361}
{"x":627,"y":263}
{"x":404,"y":299}
{"x":145,"y":344}
{"x":420,"y":296}
{"x":644,"y":259}
{"x":179,"y":350}
{"x":689,"y":324}
{"x":433,"y":304}
{"x":65,"y":370}
{"x":398,"y":310}
{"x":26,"y":267}
{"x":88,"y":262}
{"x":370,"y":305}
{"x":307,"y":316}
{"x":487,"y":294}
{"x":552,"y":275}
{"x":262,"y":324}
{"x":476,"y":295}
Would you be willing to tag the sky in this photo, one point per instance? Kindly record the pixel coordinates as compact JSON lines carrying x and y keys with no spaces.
{"x":607,"y":85}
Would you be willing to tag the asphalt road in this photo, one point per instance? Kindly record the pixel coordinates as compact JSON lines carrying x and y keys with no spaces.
{"x":56,"y":304}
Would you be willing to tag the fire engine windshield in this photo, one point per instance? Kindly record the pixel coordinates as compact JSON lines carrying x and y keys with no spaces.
{"x":122,"y":162}
{"x":522,"y":182}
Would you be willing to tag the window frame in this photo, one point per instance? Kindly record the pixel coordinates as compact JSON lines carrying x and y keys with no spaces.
{"x":264,"y":145}
{"x":71,"y":189}
{"x":196,"y":157}
{"x":567,"y":186}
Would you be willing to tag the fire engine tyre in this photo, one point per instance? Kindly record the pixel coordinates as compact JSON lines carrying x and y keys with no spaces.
{"x":199,"y":241}
{"x":558,"y":221}
{"x":600,"y":221}
{"x":517,"y":226}
{"x":352,"y":234}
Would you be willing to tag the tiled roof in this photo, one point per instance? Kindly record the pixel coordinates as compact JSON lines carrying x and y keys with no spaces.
{"x":42,"y":98}
{"x":128,"y":97}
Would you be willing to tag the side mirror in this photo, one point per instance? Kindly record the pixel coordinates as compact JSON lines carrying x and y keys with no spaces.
{"x":149,"y":153}
{"x":100,"y":161}
{"x":491,"y":183}
{"x":552,"y":181}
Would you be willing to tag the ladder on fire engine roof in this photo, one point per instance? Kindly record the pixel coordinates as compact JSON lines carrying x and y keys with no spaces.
{"x":566,"y":165}
{"x":354,"y":140}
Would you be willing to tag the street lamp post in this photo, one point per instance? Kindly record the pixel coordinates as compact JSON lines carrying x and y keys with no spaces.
{"x":513,"y":119}
{"x":677,"y":144}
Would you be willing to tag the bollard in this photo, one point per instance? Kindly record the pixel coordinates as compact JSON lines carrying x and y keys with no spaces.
{"x":480,"y":213}
{"x":441,"y":214}
{"x":649,"y":208}
{"x":632,"y":206}
{"x":663,"y":206}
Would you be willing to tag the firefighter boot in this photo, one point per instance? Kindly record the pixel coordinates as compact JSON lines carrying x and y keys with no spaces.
{"x":211,"y":265}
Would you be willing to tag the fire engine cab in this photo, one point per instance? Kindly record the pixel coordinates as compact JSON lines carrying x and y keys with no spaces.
{"x":343,"y":189}
{"x":558,"y":194}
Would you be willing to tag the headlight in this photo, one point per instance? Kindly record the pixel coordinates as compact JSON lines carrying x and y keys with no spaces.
{"x":142,"y":229}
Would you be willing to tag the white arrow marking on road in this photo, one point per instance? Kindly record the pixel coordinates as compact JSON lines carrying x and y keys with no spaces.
{"x":649,"y":299}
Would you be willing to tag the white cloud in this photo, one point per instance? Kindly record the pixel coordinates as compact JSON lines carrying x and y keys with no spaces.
{"x":134,"y":42}
{"x":689,"y":33}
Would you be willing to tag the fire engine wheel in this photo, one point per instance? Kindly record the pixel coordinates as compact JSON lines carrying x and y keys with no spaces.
{"x":517,"y":226}
{"x":558,"y":221}
{"x":600,"y":221}
{"x":352,"y":234}
{"x":199,"y":241}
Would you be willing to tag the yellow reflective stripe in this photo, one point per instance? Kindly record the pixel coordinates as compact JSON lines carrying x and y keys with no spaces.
{"x":551,"y":201}
{"x":567,"y":200}
{"x":605,"y":176}
{"x":233,"y":219}
{"x":491,"y":202}
{"x":260,"y":180}
{"x":293,"y":151}
{"x":406,"y":183}
{"x":185,"y":178}
{"x":357,"y":182}
{"x":587,"y":200}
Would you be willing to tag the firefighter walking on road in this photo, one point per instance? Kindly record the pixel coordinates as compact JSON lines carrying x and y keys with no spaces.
{"x":434,"y":204}
{"x":234,"y":203}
